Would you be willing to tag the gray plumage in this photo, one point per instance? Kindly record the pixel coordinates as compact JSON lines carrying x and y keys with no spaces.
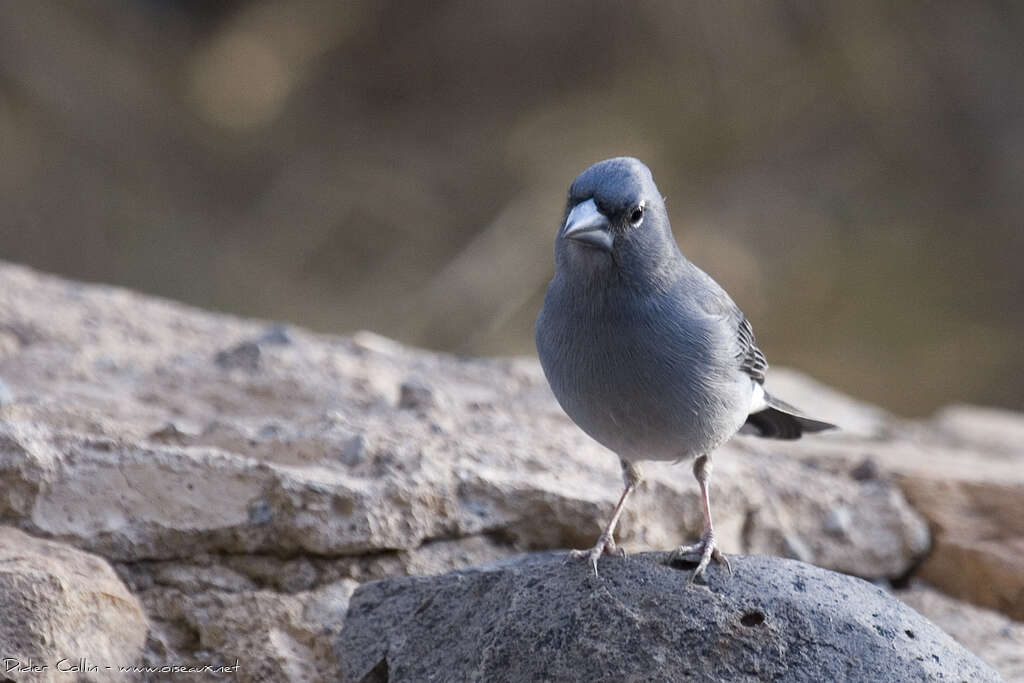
{"x":642,"y":349}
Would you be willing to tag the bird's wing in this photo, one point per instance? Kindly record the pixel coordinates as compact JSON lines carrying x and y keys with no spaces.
{"x":717,"y":303}
{"x":752,"y":360}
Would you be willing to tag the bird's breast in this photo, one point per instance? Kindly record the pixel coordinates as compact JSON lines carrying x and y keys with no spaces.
{"x":638,"y":375}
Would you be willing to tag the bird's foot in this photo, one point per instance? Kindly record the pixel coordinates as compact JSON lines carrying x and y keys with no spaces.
{"x":707,"y":549}
{"x":605,"y":546}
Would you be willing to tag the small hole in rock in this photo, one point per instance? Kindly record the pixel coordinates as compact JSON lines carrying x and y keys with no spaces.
{"x":683,"y":563}
{"x":910,"y":634}
{"x":752,"y":618}
{"x":379,"y":673}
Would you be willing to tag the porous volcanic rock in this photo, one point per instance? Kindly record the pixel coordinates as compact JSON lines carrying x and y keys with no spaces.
{"x":643,"y":620}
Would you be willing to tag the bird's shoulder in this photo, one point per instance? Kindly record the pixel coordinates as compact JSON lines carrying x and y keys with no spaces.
{"x":735,"y":329}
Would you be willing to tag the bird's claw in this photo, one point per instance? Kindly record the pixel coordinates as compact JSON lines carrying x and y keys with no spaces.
{"x":605,"y":545}
{"x":708,"y":550}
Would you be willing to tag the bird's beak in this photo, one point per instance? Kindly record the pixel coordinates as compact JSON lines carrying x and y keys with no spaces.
{"x":588,"y":225}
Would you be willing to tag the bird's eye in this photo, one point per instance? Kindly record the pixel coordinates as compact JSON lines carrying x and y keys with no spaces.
{"x":636,"y":216}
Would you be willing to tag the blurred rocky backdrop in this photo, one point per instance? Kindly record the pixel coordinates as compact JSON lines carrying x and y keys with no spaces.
{"x":851,"y":172}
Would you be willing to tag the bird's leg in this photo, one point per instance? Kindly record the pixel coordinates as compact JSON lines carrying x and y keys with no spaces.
{"x":606,"y":545}
{"x":707,"y":546}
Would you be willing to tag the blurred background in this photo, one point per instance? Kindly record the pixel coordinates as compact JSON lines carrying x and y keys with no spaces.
{"x":851,"y":171}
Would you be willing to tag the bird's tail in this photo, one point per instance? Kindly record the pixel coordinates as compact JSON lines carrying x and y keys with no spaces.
{"x":781,"y":421}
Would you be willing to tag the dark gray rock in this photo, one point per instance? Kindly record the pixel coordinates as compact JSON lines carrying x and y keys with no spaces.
{"x":414,"y":395}
{"x":245,"y":356}
{"x":642,"y":620}
{"x":275,"y":334}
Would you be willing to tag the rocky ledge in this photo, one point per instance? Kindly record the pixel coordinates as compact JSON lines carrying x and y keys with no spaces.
{"x":243,"y":479}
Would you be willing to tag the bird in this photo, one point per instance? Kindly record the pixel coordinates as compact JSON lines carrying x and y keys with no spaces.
{"x":644,"y":351}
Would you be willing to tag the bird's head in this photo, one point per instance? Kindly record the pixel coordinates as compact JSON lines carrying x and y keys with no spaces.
{"x":615,"y":225}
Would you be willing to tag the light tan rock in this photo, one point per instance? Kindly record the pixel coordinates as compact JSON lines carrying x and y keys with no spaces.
{"x":265,"y":635}
{"x":61,"y":608}
{"x":988,"y":573}
{"x":989,"y":430}
{"x":135,"y":435}
{"x":974,"y":498}
{"x":232,"y":470}
{"x":964,"y":471}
